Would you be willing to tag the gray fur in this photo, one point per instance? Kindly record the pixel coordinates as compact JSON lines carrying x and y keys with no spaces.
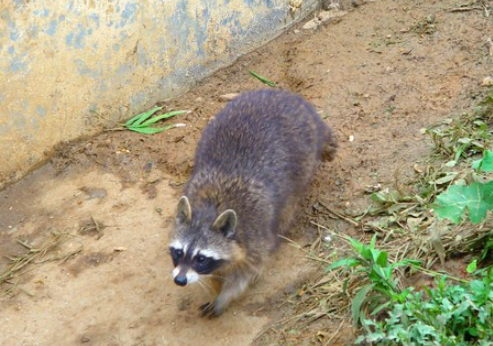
{"x":253,"y":165}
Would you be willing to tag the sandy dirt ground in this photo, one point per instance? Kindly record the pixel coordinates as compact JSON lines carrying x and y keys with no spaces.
{"x":379,"y":72}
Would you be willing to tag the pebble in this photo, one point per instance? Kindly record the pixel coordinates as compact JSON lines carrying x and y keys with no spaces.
{"x":227,"y":97}
{"x":326,"y":15}
{"x":322,"y":17}
{"x":94,"y":192}
{"x":312,"y":24}
{"x":487,"y":81}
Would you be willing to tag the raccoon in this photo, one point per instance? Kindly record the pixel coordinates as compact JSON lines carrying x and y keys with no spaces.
{"x":253,"y":164}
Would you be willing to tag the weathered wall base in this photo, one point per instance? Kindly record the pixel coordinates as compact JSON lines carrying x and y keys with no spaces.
{"x":68,"y":69}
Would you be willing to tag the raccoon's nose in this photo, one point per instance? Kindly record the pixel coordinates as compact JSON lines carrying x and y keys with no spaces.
{"x":181,"y":280}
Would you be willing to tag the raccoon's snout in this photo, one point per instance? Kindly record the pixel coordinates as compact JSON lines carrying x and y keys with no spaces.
{"x":184,"y":275}
{"x":181,"y":280}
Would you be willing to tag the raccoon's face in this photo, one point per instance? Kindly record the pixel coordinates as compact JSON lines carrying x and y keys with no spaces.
{"x":197,"y":248}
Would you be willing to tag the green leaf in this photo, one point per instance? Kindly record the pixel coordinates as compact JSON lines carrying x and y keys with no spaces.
{"x":149,"y":130}
{"x":373,"y":241}
{"x":262,"y":79}
{"x":477,"y":198}
{"x":356,"y":244}
{"x":358,"y":301}
{"x":486,"y":163}
{"x":471,"y":268}
{"x":382,"y":259}
{"x":345,"y":262}
{"x":460,"y":151}
{"x":378,"y":197}
{"x":449,"y":176}
{"x":380,"y":308}
{"x":160,"y":117}
{"x":139,"y":118}
{"x":451,"y":204}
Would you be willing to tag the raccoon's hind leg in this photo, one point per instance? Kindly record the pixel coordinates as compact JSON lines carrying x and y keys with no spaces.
{"x":287,"y":217}
{"x":232,"y":288}
{"x":330,"y":145}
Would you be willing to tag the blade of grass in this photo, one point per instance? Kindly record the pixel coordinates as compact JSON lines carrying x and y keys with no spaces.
{"x":160,"y":117}
{"x":150,"y":130}
{"x":263,"y":79}
{"x":139,"y":118}
{"x":358,"y":302}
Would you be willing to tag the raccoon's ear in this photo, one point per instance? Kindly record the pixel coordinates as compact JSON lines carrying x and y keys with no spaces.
{"x":226,"y":223}
{"x":183,"y":211}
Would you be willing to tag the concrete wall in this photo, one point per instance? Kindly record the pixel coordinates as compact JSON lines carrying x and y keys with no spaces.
{"x":69,"y":68}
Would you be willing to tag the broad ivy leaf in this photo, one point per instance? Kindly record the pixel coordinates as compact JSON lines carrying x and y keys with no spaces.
{"x":451,"y":204}
{"x":477,"y":198}
{"x":486,"y":163}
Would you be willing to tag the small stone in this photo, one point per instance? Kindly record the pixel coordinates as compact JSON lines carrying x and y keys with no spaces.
{"x":312,"y":24}
{"x":94,"y":192}
{"x":487,"y":81}
{"x":417,"y":169}
{"x":227,"y":97}
{"x":324,"y":16}
{"x":148,"y":166}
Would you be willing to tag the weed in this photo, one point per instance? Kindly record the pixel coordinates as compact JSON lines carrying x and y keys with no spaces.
{"x":426,"y":26}
{"x":373,"y":263}
{"x":142,"y":122}
{"x":464,"y":136}
{"x":445,"y":315}
{"x":390,"y":109}
{"x":263,"y":79}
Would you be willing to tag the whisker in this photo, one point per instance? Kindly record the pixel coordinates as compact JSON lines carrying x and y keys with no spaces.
{"x":205,"y":285}
{"x":214,"y":276}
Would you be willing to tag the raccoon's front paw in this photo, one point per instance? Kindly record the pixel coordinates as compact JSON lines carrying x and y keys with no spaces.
{"x":210,"y":310}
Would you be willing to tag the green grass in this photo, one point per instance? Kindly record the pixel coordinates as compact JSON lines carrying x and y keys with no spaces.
{"x":263,"y":79}
{"x":142,"y":123}
{"x":449,"y":314}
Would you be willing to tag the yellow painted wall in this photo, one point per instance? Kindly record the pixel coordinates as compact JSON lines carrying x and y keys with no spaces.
{"x":70,"y":68}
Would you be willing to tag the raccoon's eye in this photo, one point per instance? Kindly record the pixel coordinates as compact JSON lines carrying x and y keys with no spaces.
{"x":201,"y":259}
{"x":176,"y":254}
